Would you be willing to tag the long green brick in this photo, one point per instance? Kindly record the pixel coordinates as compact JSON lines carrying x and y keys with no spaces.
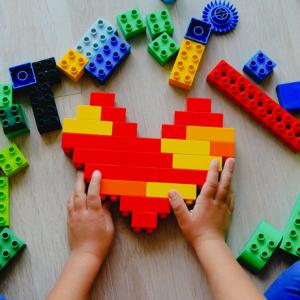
{"x":6,"y":99}
{"x":4,"y":202}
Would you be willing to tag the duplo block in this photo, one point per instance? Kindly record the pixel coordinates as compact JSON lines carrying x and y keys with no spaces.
{"x":123,"y":129}
{"x":198,"y":31}
{"x":289,"y":96}
{"x":87,"y":112}
{"x":259,"y":67}
{"x":10,"y":245}
{"x":291,"y":234}
{"x":163,"y":48}
{"x":110,"y":187}
{"x":102,"y":99}
{"x":159,"y":22}
{"x":224,"y":149}
{"x":108,"y":58}
{"x":131,"y":23}
{"x":95,"y":37}
{"x":22,"y":76}
{"x":72,"y":64}
{"x":147,"y":220}
{"x":171,"y":131}
{"x":115,"y":114}
{"x":144,"y":159}
{"x":198,"y":104}
{"x":14,"y":121}
{"x":5,"y":95}
{"x":149,"y":145}
{"x":146,"y":173}
{"x":186,"y":64}
{"x":260,"y":247}
{"x":203,"y":133}
{"x":46,"y":71}
{"x":12,"y":160}
{"x":198,"y":118}
{"x":4,"y":202}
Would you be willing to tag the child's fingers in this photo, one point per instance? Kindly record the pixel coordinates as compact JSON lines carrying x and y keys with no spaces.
{"x":93,"y":194}
{"x":230,"y":201}
{"x":70,"y":205}
{"x":180,"y":209}
{"x":79,"y":183}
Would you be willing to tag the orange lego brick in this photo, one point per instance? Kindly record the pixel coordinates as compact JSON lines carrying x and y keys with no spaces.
{"x":112,"y":187}
{"x":224,"y":149}
{"x":203,"y":133}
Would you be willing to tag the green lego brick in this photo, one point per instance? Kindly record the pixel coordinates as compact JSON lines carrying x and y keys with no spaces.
{"x":159,"y":22}
{"x":291,"y":234}
{"x":10,"y":245}
{"x":131,"y":23}
{"x":14,"y":121}
{"x":5,"y":95}
{"x":163,"y":48}
{"x":4,"y":202}
{"x":260,"y":247}
{"x":12,"y":160}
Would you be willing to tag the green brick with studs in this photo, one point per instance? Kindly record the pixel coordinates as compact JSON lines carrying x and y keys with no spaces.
{"x":4,"y":202}
{"x":163,"y":48}
{"x":12,"y":160}
{"x":291,"y":234}
{"x":6,"y":98}
{"x":260,"y":247}
{"x":131,"y":23}
{"x":10,"y":245}
{"x":159,"y":22}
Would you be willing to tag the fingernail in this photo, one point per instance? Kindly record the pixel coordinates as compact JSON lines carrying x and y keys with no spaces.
{"x":215,"y":163}
{"x":96,"y":173}
{"x":172,"y":195}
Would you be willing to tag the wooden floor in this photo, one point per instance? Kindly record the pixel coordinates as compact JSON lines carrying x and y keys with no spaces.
{"x":161,"y":265}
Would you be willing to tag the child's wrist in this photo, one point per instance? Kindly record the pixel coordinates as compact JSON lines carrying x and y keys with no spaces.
{"x":87,"y":259}
{"x":202,"y":246}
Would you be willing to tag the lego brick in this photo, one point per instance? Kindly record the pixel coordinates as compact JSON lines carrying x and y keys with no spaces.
{"x":260,"y":247}
{"x":289,"y":96}
{"x":14,"y":121}
{"x":259,"y":67}
{"x":131,"y":23}
{"x":124,"y":129}
{"x":225,"y":149}
{"x":159,"y":22}
{"x":112,"y":187}
{"x":87,"y":126}
{"x":163,"y":48}
{"x":6,"y":98}
{"x":291,"y":234}
{"x":87,"y":112}
{"x":102,"y":99}
{"x":173,"y":131}
{"x":12,"y":160}
{"x":115,"y":114}
{"x":198,"y":104}
{"x":168,"y":1}
{"x":46,"y":71}
{"x":107,"y":58}
{"x":186,"y":64}
{"x":4,"y":202}
{"x":144,"y":159}
{"x":72,"y":64}
{"x":95,"y":37}
{"x":198,"y":118}
{"x":142,"y":145}
{"x":185,"y":146}
{"x":256,"y":103}
{"x":147,"y":220}
{"x":210,"y":134}
{"x":146,"y":173}
{"x":198,"y":31}
{"x":194,"y":162}
{"x":22,"y":76}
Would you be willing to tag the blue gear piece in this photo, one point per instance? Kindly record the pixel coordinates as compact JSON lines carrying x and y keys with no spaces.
{"x":222,"y":15}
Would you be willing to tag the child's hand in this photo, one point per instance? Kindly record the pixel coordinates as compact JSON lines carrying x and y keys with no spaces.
{"x":90,"y":226}
{"x":210,"y":218}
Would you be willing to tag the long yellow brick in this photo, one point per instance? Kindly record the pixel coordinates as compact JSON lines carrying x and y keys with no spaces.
{"x":88,"y":126}
{"x":87,"y":112}
{"x":161,"y":189}
{"x":194,"y":162}
{"x":210,"y":134}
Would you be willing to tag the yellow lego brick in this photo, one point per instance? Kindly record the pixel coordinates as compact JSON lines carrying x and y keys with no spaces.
{"x":210,"y":134}
{"x":185,"y":146}
{"x":72,"y":64}
{"x":161,"y":189}
{"x":194,"y":162}
{"x":186,"y":64}
{"x":88,"y":126}
{"x":87,"y":112}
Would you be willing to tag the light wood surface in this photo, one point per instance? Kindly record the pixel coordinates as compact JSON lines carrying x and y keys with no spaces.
{"x":161,"y":265}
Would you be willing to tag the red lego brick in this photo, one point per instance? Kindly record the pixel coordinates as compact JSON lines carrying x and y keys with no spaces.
{"x":256,"y":103}
{"x":147,"y":220}
{"x":115,"y":114}
{"x":198,"y":118}
{"x":124,"y":129}
{"x":146,"y":173}
{"x":144,"y":159}
{"x":198,"y":104}
{"x":102,"y":99}
{"x":142,"y":145}
{"x":169,"y":131}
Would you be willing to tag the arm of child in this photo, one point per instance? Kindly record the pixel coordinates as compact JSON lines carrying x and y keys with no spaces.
{"x":90,"y":233}
{"x":205,"y":227}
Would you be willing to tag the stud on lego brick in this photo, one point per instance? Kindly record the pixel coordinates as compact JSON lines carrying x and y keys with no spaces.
{"x":163,"y":48}
{"x":4,"y":202}
{"x":102,"y":99}
{"x":5,"y":95}
{"x":159,"y":22}
{"x":131,"y":23}
{"x":144,"y":220}
{"x":22,"y":76}
{"x":198,"y":104}
{"x":259,"y":67}
{"x":108,"y":58}
{"x":198,"y":31}
{"x":46,"y":71}
{"x":260,"y":247}
{"x":289,"y":96}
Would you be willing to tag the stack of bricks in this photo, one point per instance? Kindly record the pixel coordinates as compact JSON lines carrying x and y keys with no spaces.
{"x":141,"y":171}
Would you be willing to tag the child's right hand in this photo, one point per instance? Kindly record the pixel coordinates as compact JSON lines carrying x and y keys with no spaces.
{"x":210,"y":218}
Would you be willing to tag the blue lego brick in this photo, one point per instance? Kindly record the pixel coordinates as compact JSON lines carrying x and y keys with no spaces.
{"x":289,"y":96}
{"x":259,"y":67}
{"x":95,"y":37}
{"x":107,"y":59}
{"x":22,"y":76}
{"x":168,"y":1}
{"x":198,"y":31}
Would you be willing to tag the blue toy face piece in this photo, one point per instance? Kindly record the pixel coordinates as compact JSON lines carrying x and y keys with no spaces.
{"x":198,"y":31}
{"x":22,"y":76}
